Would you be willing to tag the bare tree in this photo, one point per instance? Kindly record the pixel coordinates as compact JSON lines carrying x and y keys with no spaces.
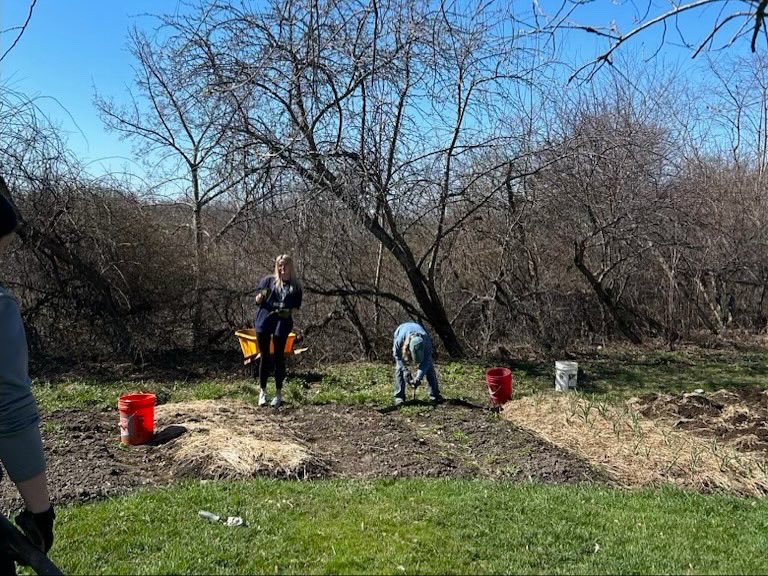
{"x":384,"y":109}
{"x":180,"y":131}
{"x":17,"y":30}
{"x":730,"y":22}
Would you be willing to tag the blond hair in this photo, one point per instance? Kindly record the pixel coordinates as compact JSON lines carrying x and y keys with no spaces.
{"x":284,"y":259}
{"x":405,"y":351}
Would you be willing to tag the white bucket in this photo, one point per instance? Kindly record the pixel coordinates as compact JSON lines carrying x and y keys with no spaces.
{"x":566,"y":375}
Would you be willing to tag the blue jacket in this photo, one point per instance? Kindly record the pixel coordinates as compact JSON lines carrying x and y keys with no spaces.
{"x":402,"y":332}
{"x":267,"y":320}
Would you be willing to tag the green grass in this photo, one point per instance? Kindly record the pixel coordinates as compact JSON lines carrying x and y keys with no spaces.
{"x":413,"y":526}
{"x":102,"y":395}
{"x":610,"y":375}
{"x":623,"y":375}
{"x":421,"y":526}
{"x":356,"y":383}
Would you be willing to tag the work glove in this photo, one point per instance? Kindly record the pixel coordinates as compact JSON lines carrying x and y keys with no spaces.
{"x":414,"y":382}
{"x":38,"y":527}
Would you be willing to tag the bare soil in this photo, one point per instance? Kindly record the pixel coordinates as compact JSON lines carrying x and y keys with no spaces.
{"x":738,"y":417}
{"x":87,"y":462}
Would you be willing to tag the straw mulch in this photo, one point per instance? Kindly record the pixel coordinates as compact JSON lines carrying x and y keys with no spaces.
{"x":635,"y":450}
{"x":231,"y":440}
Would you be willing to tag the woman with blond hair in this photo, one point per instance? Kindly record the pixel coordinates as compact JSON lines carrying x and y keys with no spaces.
{"x":413,"y":346}
{"x":278,"y":295}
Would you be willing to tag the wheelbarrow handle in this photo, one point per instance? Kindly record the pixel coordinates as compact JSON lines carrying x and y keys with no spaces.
{"x":22,"y":548}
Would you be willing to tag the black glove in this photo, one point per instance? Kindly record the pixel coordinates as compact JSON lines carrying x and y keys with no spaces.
{"x":38,"y":527}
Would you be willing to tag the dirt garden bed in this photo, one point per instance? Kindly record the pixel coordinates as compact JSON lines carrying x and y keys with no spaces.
{"x":233,"y":440}
{"x":738,"y":417}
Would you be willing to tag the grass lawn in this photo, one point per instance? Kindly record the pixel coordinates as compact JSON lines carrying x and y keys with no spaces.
{"x":414,"y":526}
{"x":355,"y":383}
{"x":610,"y":375}
{"x":427,"y":526}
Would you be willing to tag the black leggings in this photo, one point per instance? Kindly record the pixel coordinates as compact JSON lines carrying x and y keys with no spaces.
{"x":268,"y":360}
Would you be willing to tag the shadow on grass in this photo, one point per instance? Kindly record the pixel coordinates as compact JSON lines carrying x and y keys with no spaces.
{"x":667,"y":373}
{"x":307,"y":378}
{"x":533,"y":369}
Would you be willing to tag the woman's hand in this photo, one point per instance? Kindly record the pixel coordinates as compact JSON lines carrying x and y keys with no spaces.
{"x":262,"y":296}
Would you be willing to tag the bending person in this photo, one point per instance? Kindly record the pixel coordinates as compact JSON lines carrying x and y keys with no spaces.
{"x":279,"y":294}
{"x":413,"y":346}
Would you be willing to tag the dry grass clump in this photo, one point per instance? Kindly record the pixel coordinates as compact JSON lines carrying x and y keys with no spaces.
{"x":231,"y":440}
{"x":635,"y":450}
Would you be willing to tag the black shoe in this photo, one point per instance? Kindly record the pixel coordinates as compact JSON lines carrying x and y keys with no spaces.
{"x":436,"y":399}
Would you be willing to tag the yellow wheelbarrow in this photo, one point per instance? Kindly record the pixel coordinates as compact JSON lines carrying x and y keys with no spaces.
{"x":250,"y":345}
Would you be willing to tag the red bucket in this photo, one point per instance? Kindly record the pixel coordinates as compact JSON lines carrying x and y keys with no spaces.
{"x":499,"y":382}
{"x":137,"y":418}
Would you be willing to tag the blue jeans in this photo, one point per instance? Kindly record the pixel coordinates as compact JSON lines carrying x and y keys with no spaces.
{"x":401,"y":381}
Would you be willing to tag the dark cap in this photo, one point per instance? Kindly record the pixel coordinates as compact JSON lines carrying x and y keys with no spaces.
{"x":8,"y":219}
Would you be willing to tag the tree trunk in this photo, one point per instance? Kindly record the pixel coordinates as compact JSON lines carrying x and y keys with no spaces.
{"x":362,"y":336}
{"x":433,"y":309}
{"x":423,"y":288}
{"x":377,"y":285}
{"x":197,"y":296}
{"x":623,"y":317}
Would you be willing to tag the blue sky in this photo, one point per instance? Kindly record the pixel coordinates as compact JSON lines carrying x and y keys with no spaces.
{"x":72,"y":46}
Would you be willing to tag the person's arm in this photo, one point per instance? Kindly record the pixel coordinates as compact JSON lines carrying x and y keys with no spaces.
{"x":24,"y":460}
{"x":35,"y":493}
{"x":264,"y":297}
{"x":21,"y":446}
{"x":260,"y":292}
{"x":23,"y":457}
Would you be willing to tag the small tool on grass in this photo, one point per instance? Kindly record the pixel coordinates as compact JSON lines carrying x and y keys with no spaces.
{"x":229,"y":521}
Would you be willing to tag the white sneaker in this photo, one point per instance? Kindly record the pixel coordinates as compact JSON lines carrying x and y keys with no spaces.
{"x":263,"y":398}
{"x":277,"y":400}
